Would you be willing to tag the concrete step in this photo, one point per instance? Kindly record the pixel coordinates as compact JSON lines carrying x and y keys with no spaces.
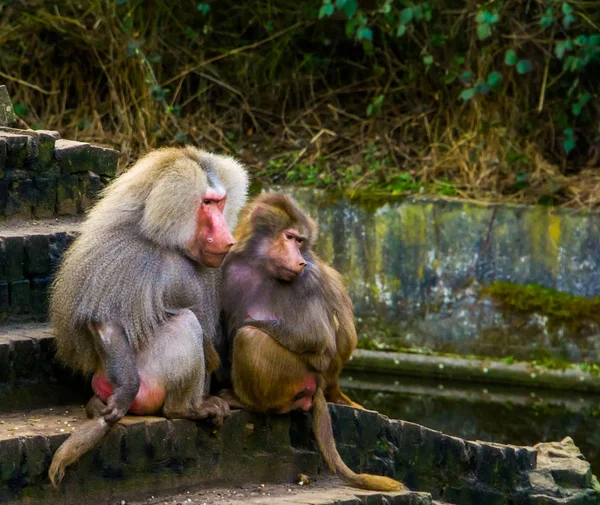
{"x":29,"y":254}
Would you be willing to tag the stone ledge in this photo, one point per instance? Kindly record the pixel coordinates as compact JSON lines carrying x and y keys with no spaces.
{"x":477,"y":370}
{"x":42,"y":175}
{"x":27,"y":355}
{"x":27,"y":263}
{"x":361,"y":361}
{"x":168,"y":454}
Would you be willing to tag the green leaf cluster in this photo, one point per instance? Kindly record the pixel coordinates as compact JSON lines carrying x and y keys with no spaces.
{"x":485,"y":21}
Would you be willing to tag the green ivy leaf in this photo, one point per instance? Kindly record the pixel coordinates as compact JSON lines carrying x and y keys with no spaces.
{"x":459,"y":60}
{"x":582,"y":40}
{"x":510,"y":57}
{"x":364,"y":34}
{"x":349,"y":7}
{"x":375,"y":106}
{"x":494,"y":79}
{"x":122,"y":2}
{"x":568,"y":21}
{"x":483,"y":88}
{"x":406,"y":16}
{"x":467,"y":94}
{"x":467,"y":76}
{"x":387,"y":7}
{"x":481,"y":17}
{"x":401,"y":30}
{"x":326,"y":11}
{"x":450,"y":77}
{"x":524,"y":66}
{"x":594,"y":40}
{"x":19,"y":109}
{"x":428,"y":60}
{"x":567,"y":9}
{"x":428,"y":12}
{"x":159,"y":93}
{"x":484,"y":31}
{"x":561,"y":47}
{"x":548,"y":18}
{"x":492,"y":18}
{"x":576,"y":109}
{"x":570,"y":64}
{"x":378,"y":69}
{"x":204,"y":8}
{"x":584,"y":98}
{"x":379,"y":100}
{"x":569,"y":144}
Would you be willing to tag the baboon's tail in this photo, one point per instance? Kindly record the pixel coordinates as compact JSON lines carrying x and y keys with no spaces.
{"x":81,"y":441}
{"x":324,"y":435}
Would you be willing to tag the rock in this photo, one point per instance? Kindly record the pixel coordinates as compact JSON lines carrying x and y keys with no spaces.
{"x":73,"y":157}
{"x":7,"y":114}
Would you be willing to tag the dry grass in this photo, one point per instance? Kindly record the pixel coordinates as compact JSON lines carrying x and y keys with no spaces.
{"x":261,"y":84}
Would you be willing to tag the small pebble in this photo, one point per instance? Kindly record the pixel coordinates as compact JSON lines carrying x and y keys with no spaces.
{"x":303,"y":479}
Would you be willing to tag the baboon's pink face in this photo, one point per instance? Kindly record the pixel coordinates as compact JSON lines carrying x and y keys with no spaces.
{"x":212,"y":239}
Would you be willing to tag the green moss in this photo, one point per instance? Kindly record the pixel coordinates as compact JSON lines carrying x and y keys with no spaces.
{"x":591,"y":368}
{"x":561,"y":309}
{"x":551,"y":363}
{"x":382,"y":445}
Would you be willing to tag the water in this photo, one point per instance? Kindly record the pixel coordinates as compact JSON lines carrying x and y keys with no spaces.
{"x":484,"y":412}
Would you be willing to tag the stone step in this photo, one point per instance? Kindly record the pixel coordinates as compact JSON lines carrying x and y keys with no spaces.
{"x":147,"y":456}
{"x":321,"y":491}
{"x":30,"y":251}
{"x":27,"y":355}
{"x":158,"y":454}
{"x":139,"y":453}
{"x":42,"y":175}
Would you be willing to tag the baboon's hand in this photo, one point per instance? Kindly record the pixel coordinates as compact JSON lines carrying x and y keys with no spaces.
{"x":214,"y":408}
{"x":115,"y":409}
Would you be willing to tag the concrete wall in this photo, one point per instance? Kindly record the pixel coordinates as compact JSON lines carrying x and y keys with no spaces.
{"x":419,"y":265}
